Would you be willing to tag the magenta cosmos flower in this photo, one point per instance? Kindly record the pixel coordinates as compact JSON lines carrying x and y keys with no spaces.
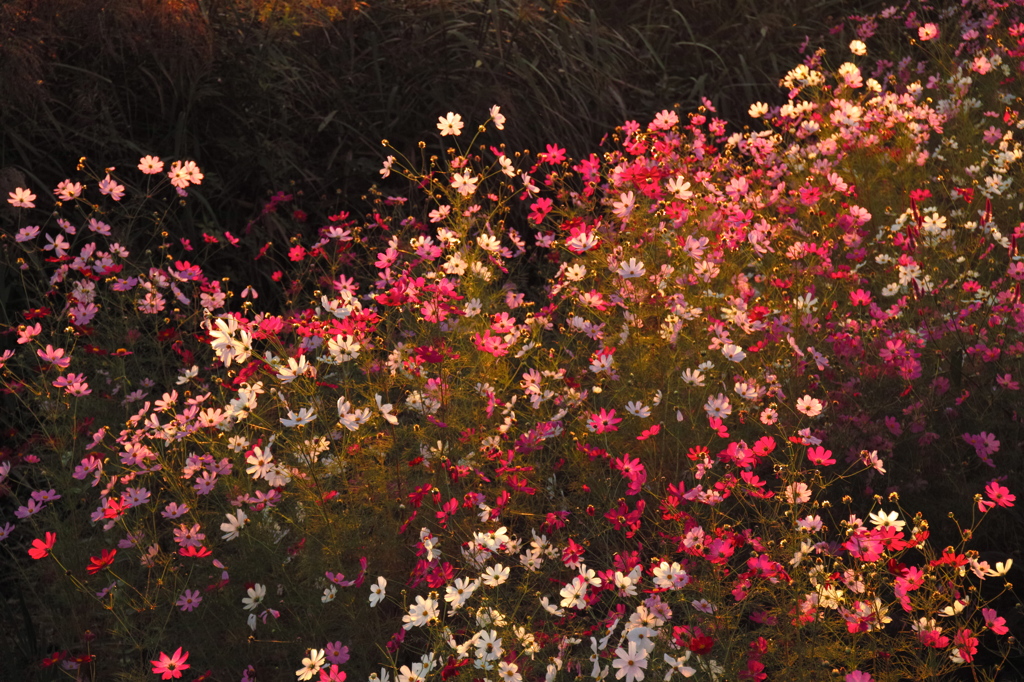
{"x":171,"y":666}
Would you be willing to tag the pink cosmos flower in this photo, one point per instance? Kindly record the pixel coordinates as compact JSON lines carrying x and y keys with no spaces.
{"x":860,"y":297}
{"x":67,"y":190}
{"x":336,"y":653}
{"x":985,"y":444}
{"x":110,"y":187}
{"x":809,"y":406}
{"x":334,"y":674}
{"x":994,"y":621}
{"x":188,"y":600}
{"x":170,"y":666}
{"x":183,"y":174}
{"x":664,"y":120}
{"x":820,"y":456}
{"x":55,"y":356}
{"x":603,"y":421}
{"x":27,"y":233}
{"x":928,"y":31}
{"x":999,"y":494}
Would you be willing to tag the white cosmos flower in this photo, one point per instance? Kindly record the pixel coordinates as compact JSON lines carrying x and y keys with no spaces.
{"x":882,"y":519}
{"x":638,"y":409}
{"x":256,"y":594}
{"x":386,"y":410}
{"x":451,"y":124}
{"x":630,"y":269}
{"x":378,"y":590}
{"x":304,"y":416}
{"x":495,"y":575}
{"x":733,"y":352}
{"x":693,"y":376}
{"x":311,"y":664}
{"x":233,"y":525}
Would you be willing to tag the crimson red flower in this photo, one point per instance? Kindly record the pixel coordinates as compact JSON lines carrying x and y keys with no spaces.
{"x":54,"y":658}
{"x":701,"y":645}
{"x":105,"y":560}
{"x":191,"y":551}
{"x":41,"y":548}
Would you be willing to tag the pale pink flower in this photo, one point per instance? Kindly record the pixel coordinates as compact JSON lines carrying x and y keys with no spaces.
{"x":21,"y":198}
{"x":26,"y":234}
{"x":110,"y":187}
{"x":809,"y":406}
{"x":67,"y":190}
{"x":498,"y":117}
{"x":184,"y":173}
{"x":151,"y":165}
{"x":928,"y":31}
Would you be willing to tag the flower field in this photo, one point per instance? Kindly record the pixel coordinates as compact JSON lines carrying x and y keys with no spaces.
{"x":712,"y":401}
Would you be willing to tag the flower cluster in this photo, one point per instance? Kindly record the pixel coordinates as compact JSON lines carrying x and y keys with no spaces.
{"x":672,"y":410}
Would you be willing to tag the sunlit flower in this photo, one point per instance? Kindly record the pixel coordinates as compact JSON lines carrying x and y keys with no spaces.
{"x":809,"y":406}
{"x":421,"y":612}
{"x":184,"y":173}
{"x":464,"y":183}
{"x":151,"y":165}
{"x":305,"y":415}
{"x":495,"y":575}
{"x":883,"y":519}
{"x":733,"y":352}
{"x":758,"y":109}
{"x":110,"y":187}
{"x":631,"y":268}
{"x":67,"y":190}
{"x":311,"y":664}
{"x":450,"y":125}
{"x":679,"y":187}
{"x":603,"y":421}
{"x":693,"y":376}
{"x":459,"y":592}
{"x":630,"y":663}
{"x":718,"y":406}
{"x":638,"y":409}
{"x":21,"y":198}
{"x":928,"y":31}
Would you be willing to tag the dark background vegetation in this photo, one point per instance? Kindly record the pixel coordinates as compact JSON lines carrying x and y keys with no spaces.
{"x":267,"y":95}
